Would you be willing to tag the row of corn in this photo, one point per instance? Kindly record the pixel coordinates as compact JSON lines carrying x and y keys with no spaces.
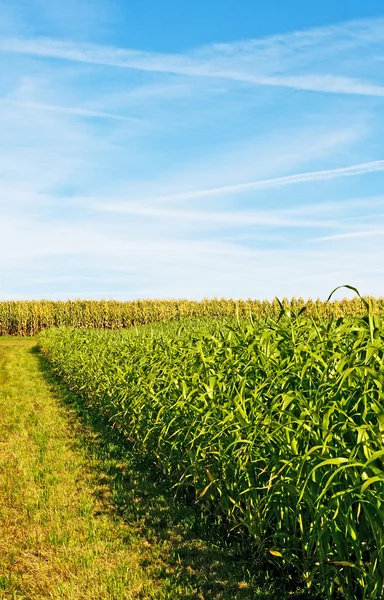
{"x":275,"y":426}
{"x":27,"y":318}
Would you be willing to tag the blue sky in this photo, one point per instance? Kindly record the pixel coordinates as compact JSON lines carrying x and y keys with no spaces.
{"x":191,"y":149}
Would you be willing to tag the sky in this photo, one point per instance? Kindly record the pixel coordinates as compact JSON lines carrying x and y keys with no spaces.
{"x":174,"y":149}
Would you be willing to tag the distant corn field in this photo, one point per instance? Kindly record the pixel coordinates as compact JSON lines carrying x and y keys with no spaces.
{"x":27,"y":318}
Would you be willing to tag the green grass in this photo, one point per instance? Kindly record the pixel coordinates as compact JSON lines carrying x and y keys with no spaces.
{"x":273,"y":428}
{"x":84,"y":517}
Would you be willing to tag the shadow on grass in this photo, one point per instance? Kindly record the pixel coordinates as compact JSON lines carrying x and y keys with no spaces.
{"x":180,"y":549}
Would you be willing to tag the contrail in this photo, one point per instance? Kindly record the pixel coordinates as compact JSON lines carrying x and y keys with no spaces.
{"x":360,"y":169}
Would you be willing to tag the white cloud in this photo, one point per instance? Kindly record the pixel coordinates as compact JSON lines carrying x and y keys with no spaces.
{"x":350,"y":171}
{"x":70,"y":110}
{"x":273,"y":61}
{"x":371,"y":232}
{"x":142,"y":180}
{"x":182,"y":268}
{"x":331,"y":84}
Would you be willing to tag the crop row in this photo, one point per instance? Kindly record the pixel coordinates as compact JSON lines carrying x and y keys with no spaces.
{"x":29,"y":317}
{"x":277,"y":427}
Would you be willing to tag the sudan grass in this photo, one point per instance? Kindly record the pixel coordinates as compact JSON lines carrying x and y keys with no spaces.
{"x":275,"y":428}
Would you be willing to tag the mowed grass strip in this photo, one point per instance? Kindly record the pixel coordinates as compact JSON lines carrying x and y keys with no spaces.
{"x":76,"y":522}
{"x":56,"y":540}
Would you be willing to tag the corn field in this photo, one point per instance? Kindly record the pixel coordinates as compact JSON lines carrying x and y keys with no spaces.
{"x":27,"y":318}
{"x":274,"y":425}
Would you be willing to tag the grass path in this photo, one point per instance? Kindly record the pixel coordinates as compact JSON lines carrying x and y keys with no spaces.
{"x":56,"y":539}
{"x":78,"y":519}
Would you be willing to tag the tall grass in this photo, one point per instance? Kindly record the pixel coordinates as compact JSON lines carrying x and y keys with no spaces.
{"x":27,"y":318}
{"x":275,"y":426}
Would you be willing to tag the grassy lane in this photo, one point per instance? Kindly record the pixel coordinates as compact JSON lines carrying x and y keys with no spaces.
{"x":56,"y":541}
{"x":80,"y":518}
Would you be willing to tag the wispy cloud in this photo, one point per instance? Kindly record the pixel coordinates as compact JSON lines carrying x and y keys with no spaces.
{"x":274,"y":61}
{"x":331,"y":84}
{"x":363,"y":233}
{"x":276,"y":182}
{"x":207,"y":172}
{"x":70,"y":110}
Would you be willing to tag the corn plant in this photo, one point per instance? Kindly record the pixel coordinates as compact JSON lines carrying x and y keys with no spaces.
{"x":275,"y":425}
